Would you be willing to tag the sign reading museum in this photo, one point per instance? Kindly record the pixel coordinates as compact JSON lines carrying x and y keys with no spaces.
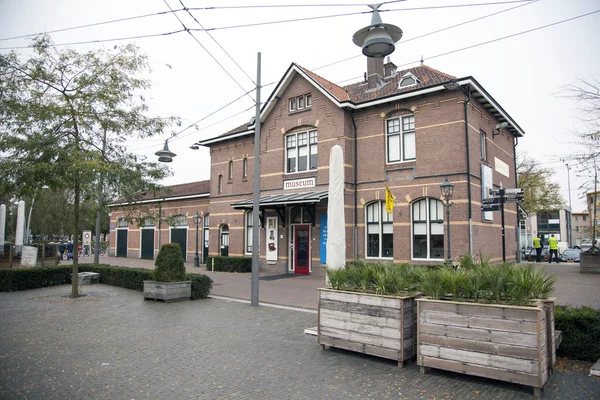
{"x":299,"y":183}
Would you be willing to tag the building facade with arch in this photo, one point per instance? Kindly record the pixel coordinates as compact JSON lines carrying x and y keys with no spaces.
{"x":407,"y":129}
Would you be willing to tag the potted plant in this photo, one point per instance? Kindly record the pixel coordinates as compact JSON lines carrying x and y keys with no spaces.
{"x":370,"y":308}
{"x":169,"y":282}
{"x":493,"y":321}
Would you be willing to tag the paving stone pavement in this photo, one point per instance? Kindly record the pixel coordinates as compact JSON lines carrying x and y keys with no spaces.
{"x":112,"y":344}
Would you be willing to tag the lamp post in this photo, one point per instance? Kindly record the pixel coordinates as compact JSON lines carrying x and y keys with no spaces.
{"x":197,"y":219}
{"x":447,"y":190}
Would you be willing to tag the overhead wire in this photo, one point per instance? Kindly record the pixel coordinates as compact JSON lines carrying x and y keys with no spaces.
{"x":295,"y":5}
{"x":208,"y":52}
{"x":432,"y":32}
{"x":488,"y":41}
{"x":218,"y":44}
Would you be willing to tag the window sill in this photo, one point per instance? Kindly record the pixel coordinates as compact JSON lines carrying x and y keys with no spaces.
{"x":244,"y":180}
{"x":299,"y":111}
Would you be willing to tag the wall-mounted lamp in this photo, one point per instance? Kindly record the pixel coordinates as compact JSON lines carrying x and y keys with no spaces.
{"x":498,"y":127}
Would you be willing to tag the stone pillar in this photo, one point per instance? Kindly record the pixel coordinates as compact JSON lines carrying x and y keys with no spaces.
{"x":2,"y":226}
{"x":20,"y":231}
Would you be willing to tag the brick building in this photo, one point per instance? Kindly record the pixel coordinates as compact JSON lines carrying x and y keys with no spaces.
{"x":581,"y":228}
{"x":404,"y":128}
{"x":408,"y":129}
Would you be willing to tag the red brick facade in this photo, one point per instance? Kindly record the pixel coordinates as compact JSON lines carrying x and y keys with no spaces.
{"x":440,"y":151}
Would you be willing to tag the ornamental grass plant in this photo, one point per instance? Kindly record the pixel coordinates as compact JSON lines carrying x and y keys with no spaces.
{"x":472,"y":281}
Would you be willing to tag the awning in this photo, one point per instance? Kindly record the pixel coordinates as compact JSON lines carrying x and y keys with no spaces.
{"x":283,"y":199}
{"x":277,"y":202}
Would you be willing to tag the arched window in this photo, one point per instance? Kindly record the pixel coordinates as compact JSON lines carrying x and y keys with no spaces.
{"x":224,"y":240}
{"x":380,"y":231}
{"x":179,"y":220}
{"x":428,"y":229}
{"x":122,"y":223}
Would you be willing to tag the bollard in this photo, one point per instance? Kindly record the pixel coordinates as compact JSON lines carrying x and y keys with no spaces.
{"x":213,"y":265}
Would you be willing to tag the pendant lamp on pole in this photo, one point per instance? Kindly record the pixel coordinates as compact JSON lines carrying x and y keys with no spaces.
{"x":165,"y":155}
{"x":377,"y":39}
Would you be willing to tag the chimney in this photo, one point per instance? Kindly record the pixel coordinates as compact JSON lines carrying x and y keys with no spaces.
{"x":374,"y":72}
{"x":389,"y":69}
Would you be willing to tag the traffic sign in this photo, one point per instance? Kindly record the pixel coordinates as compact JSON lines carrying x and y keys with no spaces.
{"x":494,"y":192}
{"x":514,"y":191}
{"x":518,"y":199}
{"x":490,"y":207}
{"x":491,"y":200}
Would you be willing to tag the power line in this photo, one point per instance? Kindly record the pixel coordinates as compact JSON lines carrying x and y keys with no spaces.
{"x":208,"y":52}
{"x":353,"y":13}
{"x":99,"y":40}
{"x":294,"y":5}
{"x":91,"y":25}
{"x":432,"y":33}
{"x":488,"y":42}
{"x":215,"y":40}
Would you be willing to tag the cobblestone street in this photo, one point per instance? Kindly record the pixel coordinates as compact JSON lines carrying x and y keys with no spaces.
{"x":112,"y":344}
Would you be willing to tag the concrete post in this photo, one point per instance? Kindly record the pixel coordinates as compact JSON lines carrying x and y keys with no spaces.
{"x":2,"y":226}
{"x":20,"y":230}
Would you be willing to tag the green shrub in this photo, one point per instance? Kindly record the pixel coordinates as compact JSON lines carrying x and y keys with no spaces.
{"x":129,"y":278}
{"x":337,"y":278}
{"x":169,"y":264}
{"x":15,"y":279}
{"x":230,"y":264}
{"x":201,"y":285}
{"x":580,"y":328}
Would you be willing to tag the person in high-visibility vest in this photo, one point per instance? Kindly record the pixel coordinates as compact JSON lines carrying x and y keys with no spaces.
{"x":537,"y":245}
{"x":553,"y":245}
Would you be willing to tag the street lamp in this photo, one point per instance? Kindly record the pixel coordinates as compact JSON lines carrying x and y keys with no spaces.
{"x":447,"y":190}
{"x":197,"y":220}
{"x":377,"y":39}
{"x":165,"y":155}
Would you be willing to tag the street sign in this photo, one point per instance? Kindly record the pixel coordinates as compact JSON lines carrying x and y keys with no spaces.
{"x":491,"y":200}
{"x":494,"y":192}
{"x":514,"y":191}
{"x":517,"y":199}
{"x":490,"y":207}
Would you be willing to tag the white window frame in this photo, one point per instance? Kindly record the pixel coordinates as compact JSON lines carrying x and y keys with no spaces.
{"x":428,"y":224}
{"x":402,"y":133}
{"x":300,"y":102}
{"x":483,"y":145}
{"x":311,"y":140}
{"x":179,"y":221}
{"x":122,"y":223}
{"x":383,"y":223}
{"x":308,"y":101}
{"x":292,"y":104}
{"x":249,"y":232}
{"x":408,"y":76}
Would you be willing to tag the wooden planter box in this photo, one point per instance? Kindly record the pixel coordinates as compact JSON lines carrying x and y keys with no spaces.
{"x":508,"y":343}
{"x":589,"y":263}
{"x":167,"y":291}
{"x":383,"y":326}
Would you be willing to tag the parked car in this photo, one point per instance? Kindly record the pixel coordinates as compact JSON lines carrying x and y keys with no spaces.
{"x":571,"y":255}
{"x":585,"y":244}
{"x":530,"y":254}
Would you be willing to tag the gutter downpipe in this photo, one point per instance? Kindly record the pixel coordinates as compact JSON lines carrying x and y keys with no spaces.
{"x":355,"y":228}
{"x":469,"y":197}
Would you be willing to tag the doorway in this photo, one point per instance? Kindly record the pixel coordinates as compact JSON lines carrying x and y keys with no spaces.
{"x":224,"y":240}
{"x":122,"y":242}
{"x":301,"y":249}
{"x":179,"y":236}
{"x":147,"y":244}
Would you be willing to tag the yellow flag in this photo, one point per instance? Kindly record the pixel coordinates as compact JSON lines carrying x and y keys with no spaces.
{"x":389,"y":200}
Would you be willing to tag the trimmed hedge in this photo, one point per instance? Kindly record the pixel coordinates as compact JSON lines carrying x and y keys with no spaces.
{"x":230,"y":264}
{"x":15,"y":279}
{"x":580,"y":328}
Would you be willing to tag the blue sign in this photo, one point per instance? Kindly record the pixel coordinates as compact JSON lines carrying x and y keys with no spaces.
{"x":323,"y":238}
{"x":112,"y":227}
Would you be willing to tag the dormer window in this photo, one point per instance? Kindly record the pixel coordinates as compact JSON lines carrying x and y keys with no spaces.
{"x":408,"y":80}
{"x":299,"y":103}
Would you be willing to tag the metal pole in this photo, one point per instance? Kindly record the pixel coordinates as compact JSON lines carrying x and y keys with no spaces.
{"x":28,"y":231}
{"x":570,"y":209}
{"x":99,"y":212}
{"x":448,"y":219}
{"x":503,"y":236}
{"x":256,"y":192}
{"x":196,"y":257}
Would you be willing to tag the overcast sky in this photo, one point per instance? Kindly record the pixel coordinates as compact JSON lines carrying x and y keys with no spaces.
{"x":522,"y":73}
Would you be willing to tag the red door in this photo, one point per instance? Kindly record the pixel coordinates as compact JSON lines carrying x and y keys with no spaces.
{"x":302,"y":249}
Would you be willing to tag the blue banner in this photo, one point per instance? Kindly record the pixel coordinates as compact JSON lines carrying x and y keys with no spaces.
{"x":323,"y":238}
